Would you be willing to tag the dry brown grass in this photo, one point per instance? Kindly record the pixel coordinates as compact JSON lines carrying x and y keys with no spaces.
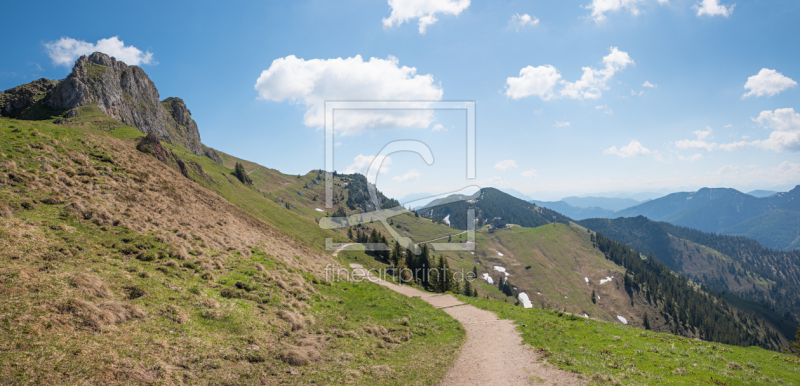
{"x":300,"y":356}
{"x":100,"y":317}
{"x":91,"y":285}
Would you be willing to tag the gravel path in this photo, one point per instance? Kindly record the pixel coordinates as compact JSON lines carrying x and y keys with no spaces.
{"x":493,"y":353}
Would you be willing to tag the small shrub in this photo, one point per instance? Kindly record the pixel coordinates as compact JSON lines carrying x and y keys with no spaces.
{"x":174,"y":314}
{"x":134,"y":292}
{"x":734,"y":366}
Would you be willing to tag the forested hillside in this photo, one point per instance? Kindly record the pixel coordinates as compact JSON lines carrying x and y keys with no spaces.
{"x":774,"y":221}
{"x":493,"y":203}
{"x":723,"y":263}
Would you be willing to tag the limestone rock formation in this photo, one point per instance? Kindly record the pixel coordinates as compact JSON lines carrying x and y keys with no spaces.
{"x":127,"y":94}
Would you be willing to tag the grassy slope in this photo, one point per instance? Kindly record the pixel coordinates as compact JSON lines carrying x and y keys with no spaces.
{"x":609,"y":353}
{"x":187,"y":323}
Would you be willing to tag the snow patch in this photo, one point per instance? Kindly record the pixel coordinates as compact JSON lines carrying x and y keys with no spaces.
{"x":606,"y":279}
{"x":488,"y":278}
{"x":587,"y":280}
{"x":472,"y":253}
{"x":447,"y":219}
{"x":526,"y":303}
{"x":586,"y":316}
{"x":623,"y":320}
{"x":500,"y":269}
{"x":319,"y":210}
{"x":499,"y":253}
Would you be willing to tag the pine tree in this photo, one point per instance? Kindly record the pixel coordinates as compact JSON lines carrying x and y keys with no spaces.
{"x":467,"y":288}
{"x":646,"y":322}
{"x":241,"y":174}
{"x":350,"y":233}
{"x":796,"y":344}
{"x":594,"y":297}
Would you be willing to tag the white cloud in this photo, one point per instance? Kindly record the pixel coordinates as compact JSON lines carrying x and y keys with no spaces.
{"x":520,"y":21}
{"x":593,"y":81}
{"x":767,"y":82}
{"x":634,"y":93}
{"x":693,"y":158}
{"x":412,"y":174}
{"x":66,"y":50}
{"x":728,"y":126}
{"x":424,"y":11}
{"x":530,"y":173}
{"x":735,"y":145}
{"x":561,"y":124}
{"x":786,"y":134}
{"x":695,"y":144}
{"x":506,"y":165}
{"x":745,"y":137}
{"x":438,"y":127}
{"x":362,"y":163}
{"x":703,"y":134}
{"x":312,"y":82}
{"x":538,"y":81}
{"x":633,"y":149}
{"x":649,"y":85}
{"x":605,"y":109}
{"x":542,"y":80}
{"x":698,"y":143}
{"x":600,"y":7}
{"x":713,"y":8}
{"x":337,"y":144}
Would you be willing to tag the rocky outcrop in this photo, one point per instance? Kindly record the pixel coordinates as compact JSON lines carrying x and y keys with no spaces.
{"x":14,"y":102}
{"x":127,"y":94}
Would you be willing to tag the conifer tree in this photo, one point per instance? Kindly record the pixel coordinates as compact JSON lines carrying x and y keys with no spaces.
{"x":646,"y":322}
{"x":594,"y":297}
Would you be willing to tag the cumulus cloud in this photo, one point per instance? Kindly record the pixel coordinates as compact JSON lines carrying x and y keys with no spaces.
{"x":520,"y":21}
{"x":698,"y":144}
{"x":649,"y":85}
{"x":561,"y":124}
{"x":713,"y":8}
{"x":633,"y":149}
{"x":530,"y":173}
{"x":412,"y":174}
{"x":312,"y":82}
{"x":601,"y":7}
{"x":692,"y":158}
{"x":64,"y":51}
{"x":605,"y":109}
{"x":439,"y":127}
{"x":767,"y":82}
{"x":424,"y":11}
{"x":784,"y":137}
{"x":538,"y":81}
{"x":541,"y":81}
{"x":506,"y":165}
{"x":593,"y":81}
{"x":362,"y":163}
{"x":786,"y":133}
{"x":703,"y":134}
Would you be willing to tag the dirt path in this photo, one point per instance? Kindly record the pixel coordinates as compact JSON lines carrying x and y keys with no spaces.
{"x":493,"y":353}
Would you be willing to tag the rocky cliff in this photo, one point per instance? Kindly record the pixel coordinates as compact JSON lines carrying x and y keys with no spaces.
{"x":127,"y":94}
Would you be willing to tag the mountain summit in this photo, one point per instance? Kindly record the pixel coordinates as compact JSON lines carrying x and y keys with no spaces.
{"x":122,"y":92}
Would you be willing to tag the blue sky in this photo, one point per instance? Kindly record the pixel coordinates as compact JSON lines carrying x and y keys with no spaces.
{"x":543,"y":132}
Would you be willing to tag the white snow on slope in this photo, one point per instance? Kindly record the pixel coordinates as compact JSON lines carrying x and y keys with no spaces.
{"x":319,"y":210}
{"x":523,"y":297}
{"x":500,"y":269}
{"x":623,"y":320}
{"x":488,"y":278}
{"x":606,"y":279}
{"x":447,"y":219}
{"x":587,"y":280}
{"x":499,"y":254}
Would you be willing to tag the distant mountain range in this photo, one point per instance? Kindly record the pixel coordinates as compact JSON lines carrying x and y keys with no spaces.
{"x":774,"y":221}
{"x":579,"y":208}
